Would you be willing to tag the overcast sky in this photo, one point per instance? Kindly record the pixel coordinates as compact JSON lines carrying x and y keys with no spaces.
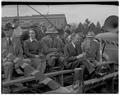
{"x":73,"y":13}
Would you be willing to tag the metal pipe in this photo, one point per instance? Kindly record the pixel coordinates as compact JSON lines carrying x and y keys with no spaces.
{"x":43,"y":16}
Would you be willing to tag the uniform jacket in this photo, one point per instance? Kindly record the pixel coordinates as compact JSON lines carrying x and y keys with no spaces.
{"x":15,"y":48}
{"x":70,"y":52}
{"x":51,"y":45}
{"x":92,"y":49}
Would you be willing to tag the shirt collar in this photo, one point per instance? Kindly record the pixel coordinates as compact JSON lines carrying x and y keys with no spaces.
{"x":31,"y":40}
{"x":9,"y":38}
{"x":73,"y":44}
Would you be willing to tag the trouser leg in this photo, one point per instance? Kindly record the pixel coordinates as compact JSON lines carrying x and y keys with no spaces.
{"x":39,"y":64}
{"x":89,"y":67}
{"x":75,"y":64}
{"x":41,"y":67}
{"x":28,"y":69}
{"x":8,"y":70}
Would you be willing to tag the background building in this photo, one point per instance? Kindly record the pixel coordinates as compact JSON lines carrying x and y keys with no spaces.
{"x":59,"y":20}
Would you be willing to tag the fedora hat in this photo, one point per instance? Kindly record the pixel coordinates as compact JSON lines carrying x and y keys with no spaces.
{"x":51,"y":30}
{"x":90,"y":34}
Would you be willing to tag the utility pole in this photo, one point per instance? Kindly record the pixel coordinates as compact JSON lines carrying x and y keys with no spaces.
{"x":18,"y":12}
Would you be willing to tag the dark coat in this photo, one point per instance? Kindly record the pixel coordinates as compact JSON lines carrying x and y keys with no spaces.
{"x":70,"y":52}
{"x":32,"y":48}
{"x":51,"y":45}
{"x":92,"y":49}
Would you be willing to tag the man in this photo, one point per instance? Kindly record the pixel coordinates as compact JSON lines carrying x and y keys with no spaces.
{"x":73,"y":52}
{"x":17,"y":32}
{"x":67,"y":29}
{"x":91,"y":48}
{"x":52,"y":47}
{"x":10,"y":46}
{"x":32,"y":49}
{"x":67,"y":34}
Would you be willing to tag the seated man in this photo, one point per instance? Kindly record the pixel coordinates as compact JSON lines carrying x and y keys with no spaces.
{"x":52,"y":48}
{"x":91,"y":47}
{"x":32,"y":50}
{"x":73,"y":52}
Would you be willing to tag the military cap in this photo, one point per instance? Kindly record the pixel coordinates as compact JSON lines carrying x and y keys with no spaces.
{"x":51,"y":30}
{"x":90,"y":34}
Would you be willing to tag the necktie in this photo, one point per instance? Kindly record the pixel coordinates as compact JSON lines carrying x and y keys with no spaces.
{"x":53,"y":42}
{"x":9,"y":41}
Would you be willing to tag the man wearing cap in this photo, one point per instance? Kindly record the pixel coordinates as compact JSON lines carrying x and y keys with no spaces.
{"x":43,"y":30}
{"x":52,"y":47}
{"x":91,"y":48}
{"x":17,"y":31}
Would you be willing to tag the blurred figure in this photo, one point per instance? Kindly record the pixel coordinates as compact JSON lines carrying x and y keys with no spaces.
{"x":91,"y":47}
{"x":32,"y":49}
{"x":68,"y":29}
{"x":43,"y":31}
{"x":73,"y":52}
{"x":17,"y":30}
{"x":52,"y":47}
{"x":3,"y":34}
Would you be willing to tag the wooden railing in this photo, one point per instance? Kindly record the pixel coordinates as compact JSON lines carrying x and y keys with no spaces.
{"x":79,"y":86}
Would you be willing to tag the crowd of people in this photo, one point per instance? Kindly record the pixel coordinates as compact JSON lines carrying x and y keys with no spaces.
{"x":26,"y":51}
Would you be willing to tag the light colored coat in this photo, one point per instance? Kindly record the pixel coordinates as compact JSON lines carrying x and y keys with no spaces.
{"x":15,"y":48}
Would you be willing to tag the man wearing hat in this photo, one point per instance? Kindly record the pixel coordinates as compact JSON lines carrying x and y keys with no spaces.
{"x":52,"y":47}
{"x":73,"y":52}
{"x":10,"y":46}
{"x":91,"y":48}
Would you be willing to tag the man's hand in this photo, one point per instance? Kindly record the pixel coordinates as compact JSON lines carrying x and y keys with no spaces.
{"x":81,"y":55}
{"x":37,"y":56}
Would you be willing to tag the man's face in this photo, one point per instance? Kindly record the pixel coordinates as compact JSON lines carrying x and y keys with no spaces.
{"x":32,"y":34}
{"x":53,"y":34}
{"x":43,"y":28}
{"x":16,"y":23}
{"x":76,"y":38}
{"x":67,"y":27}
{"x":8,"y":33}
{"x":66,"y":35}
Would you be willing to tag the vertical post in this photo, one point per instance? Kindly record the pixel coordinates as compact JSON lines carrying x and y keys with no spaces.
{"x":101,"y":51}
{"x":18,"y":12}
{"x":60,"y":79}
{"x":78,"y":80}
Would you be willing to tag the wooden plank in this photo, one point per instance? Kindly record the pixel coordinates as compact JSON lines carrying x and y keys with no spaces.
{"x":31,"y":78}
{"x":78,"y":80}
{"x":76,"y":87}
{"x":95,"y":81}
{"x":61,"y":90}
{"x":106,"y":63}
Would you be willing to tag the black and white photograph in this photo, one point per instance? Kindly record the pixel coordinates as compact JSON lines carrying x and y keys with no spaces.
{"x":59,"y":47}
